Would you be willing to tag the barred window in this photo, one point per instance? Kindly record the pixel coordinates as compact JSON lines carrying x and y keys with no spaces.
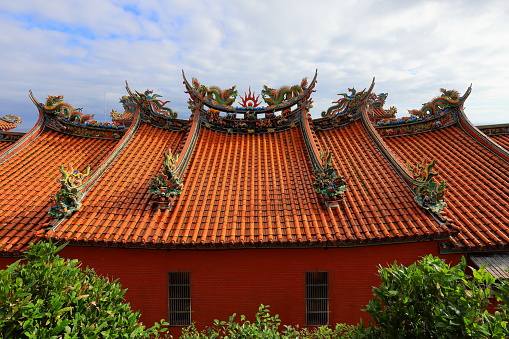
{"x":317,"y":298}
{"x":179,"y":302}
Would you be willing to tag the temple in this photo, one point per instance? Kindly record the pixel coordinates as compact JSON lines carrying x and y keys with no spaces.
{"x":250,"y":201}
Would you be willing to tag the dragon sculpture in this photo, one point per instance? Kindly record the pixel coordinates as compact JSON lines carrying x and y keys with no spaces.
{"x":56,"y":105}
{"x":449,"y":98}
{"x":149,"y":101}
{"x":275,"y":97}
{"x":67,"y":199}
{"x":429,"y":194}
{"x":327,"y":180}
{"x":11,"y":118}
{"x":348,"y":104}
{"x":378,"y":101}
{"x":166,"y":184}
{"x":215,"y":94}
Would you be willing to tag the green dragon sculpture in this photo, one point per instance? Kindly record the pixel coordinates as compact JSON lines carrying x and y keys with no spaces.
{"x":449,"y":98}
{"x":55,"y":104}
{"x":327,"y":181}
{"x":347,"y":105}
{"x":149,"y":101}
{"x":429,"y":194}
{"x":274,"y":97}
{"x":218,"y":96}
{"x":166,"y":184}
{"x":67,"y":199}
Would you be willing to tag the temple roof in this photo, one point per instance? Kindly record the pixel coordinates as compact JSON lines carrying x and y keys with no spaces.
{"x":28,"y":180}
{"x":239,"y":186}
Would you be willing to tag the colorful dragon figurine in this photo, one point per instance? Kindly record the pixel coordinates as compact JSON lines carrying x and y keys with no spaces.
{"x":274,"y":97}
{"x":166,"y":184}
{"x":378,"y":101}
{"x":55,"y":104}
{"x":67,"y":199}
{"x":348,"y":104}
{"x":429,"y":194}
{"x":11,"y":118}
{"x":149,"y":101}
{"x":215,"y":94}
{"x":327,"y":180}
{"x":449,"y":98}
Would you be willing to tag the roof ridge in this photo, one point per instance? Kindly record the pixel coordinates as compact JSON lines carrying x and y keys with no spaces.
{"x":26,"y":139}
{"x":105,"y":164}
{"x":399,"y":168}
{"x":475,"y":133}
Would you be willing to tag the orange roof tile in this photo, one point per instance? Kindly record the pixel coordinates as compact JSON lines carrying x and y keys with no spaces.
{"x":501,"y":139}
{"x":247,"y":190}
{"x":29,"y":180}
{"x":378,"y":203}
{"x":115,"y":208}
{"x":4,"y":145}
{"x":478,"y":183}
{"x":6,"y":126}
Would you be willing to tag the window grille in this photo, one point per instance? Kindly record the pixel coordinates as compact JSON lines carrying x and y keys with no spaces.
{"x":317,"y":298}
{"x":179,"y":302}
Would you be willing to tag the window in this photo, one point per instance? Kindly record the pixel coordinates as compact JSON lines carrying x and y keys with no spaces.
{"x":317,"y":298}
{"x":179,"y":302}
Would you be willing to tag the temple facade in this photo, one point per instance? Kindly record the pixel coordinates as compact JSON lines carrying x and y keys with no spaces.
{"x":251,"y":201}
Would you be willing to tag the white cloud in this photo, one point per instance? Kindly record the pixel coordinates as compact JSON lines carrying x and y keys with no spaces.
{"x":86,"y":50}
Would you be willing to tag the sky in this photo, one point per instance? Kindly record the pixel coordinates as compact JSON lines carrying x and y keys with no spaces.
{"x":86,"y":50}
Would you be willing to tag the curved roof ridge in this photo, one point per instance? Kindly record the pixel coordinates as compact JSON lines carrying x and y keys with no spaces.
{"x":480,"y":137}
{"x":105,"y":164}
{"x":401,"y":170}
{"x":26,"y":139}
{"x":440,"y":112}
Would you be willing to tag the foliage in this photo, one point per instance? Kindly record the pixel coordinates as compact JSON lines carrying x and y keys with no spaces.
{"x":264,"y":326}
{"x":430,"y":299}
{"x":52,"y":297}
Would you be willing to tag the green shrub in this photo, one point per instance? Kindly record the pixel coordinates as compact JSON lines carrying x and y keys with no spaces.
{"x":264,"y":326}
{"x":430,"y":299}
{"x":52,"y":297}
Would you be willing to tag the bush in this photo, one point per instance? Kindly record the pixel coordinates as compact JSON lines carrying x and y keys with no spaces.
{"x":52,"y":297}
{"x":430,"y":299}
{"x":265,"y":326}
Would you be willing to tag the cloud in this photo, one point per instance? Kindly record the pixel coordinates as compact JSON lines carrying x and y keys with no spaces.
{"x":86,"y":50}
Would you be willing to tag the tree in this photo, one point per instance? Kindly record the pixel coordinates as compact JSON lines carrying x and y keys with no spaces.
{"x":430,"y":299}
{"x":52,"y":297}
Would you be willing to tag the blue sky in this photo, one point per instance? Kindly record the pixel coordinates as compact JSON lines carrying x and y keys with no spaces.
{"x":86,"y":50}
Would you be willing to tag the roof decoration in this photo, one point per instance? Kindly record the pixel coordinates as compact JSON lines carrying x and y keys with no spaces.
{"x":284,"y":94}
{"x":62,"y":117}
{"x":429,"y":194}
{"x":327,"y":181}
{"x":10,"y":136}
{"x":11,"y":120}
{"x":249,"y":101}
{"x":439,"y":112}
{"x":346,"y":109}
{"x":125,"y":118}
{"x":495,"y":129}
{"x":167,"y":184}
{"x":67,"y":200}
{"x":214,"y":95}
{"x":377,"y":103}
{"x":448,"y":99}
{"x":149,"y":102}
{"x":216,"y":112}
{"x":153,"y":110}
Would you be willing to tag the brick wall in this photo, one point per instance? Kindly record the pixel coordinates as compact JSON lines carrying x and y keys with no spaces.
{"x":238,"y":281}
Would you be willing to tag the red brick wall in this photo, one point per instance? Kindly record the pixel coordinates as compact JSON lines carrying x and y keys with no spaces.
{"x":238,"y":281}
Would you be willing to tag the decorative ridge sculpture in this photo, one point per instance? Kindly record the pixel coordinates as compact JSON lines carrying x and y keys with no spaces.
{"x":429,"y":193}
{"x":327,"y":180}
{"x":167,"y":184}
{"x":67,"y":200}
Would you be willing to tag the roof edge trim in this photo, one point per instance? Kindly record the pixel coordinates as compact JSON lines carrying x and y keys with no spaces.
{"x":28,"y":137}
{"x":479,"y":136}
{"x":104,"y":165}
